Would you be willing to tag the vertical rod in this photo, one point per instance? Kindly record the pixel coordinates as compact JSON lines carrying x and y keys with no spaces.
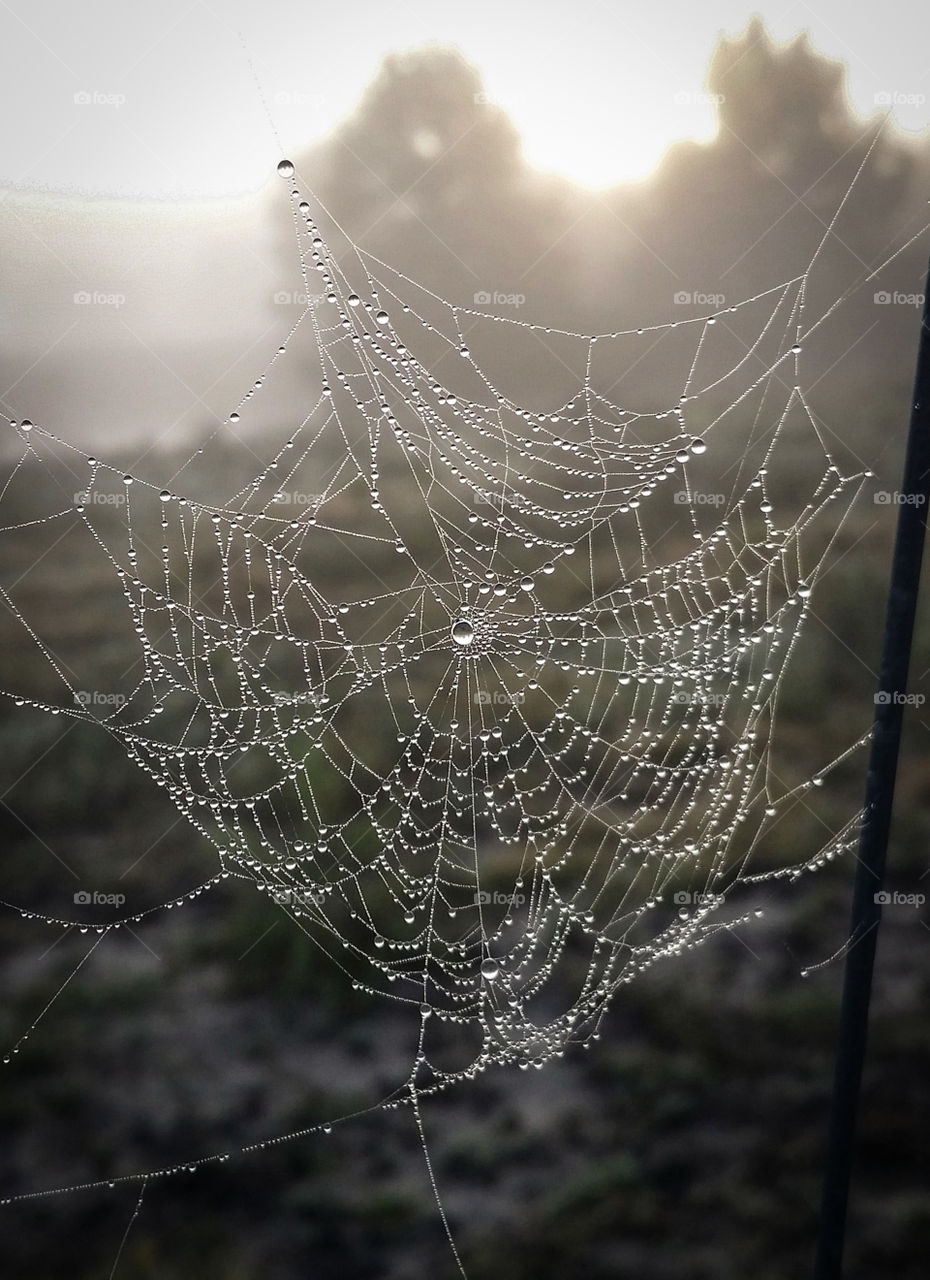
{"x":879,"y":796}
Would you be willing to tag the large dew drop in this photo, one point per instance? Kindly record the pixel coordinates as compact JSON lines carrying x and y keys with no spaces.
{"x":463,"y":632}
{"x":489,"y":968}
{"x":285,"y":169}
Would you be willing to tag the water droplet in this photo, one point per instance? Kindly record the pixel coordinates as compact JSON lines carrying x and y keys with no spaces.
{"x":285,"y":169}
{"x":489,"y":968}
{"x":526,"y":584}
{"x":803,"y":590}
{"x":382,"y":317}
{"x":698,"y":446}
{"x":26,"y":424}
{"x":353,"y":300}
{"x":463,"y":632}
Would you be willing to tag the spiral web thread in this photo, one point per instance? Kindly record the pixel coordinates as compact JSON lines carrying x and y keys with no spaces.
{"x":577,"y":659}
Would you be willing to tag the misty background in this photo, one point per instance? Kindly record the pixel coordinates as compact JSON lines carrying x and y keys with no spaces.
{"x":146,"y":320}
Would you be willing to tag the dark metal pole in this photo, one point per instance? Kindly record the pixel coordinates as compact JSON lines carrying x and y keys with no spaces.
{"x":879,"y":795}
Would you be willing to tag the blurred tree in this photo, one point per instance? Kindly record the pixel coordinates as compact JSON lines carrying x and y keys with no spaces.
{"x":429,"y":174}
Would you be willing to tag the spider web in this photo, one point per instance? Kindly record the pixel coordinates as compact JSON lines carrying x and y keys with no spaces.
{"x":479,"y":689}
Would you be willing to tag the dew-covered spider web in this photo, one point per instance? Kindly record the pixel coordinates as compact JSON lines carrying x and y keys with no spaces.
{"x":481,"y":691}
